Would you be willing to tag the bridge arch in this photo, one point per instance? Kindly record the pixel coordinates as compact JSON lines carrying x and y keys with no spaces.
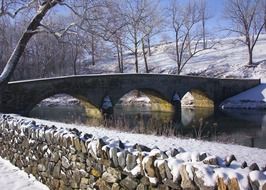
{"x":84,"y":101}
{"x":157,"y":100}
{"x":197,"y":98}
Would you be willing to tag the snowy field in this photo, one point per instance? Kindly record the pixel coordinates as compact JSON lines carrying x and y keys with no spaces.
{"x":227,"y":59}
{"x":12,"y":178}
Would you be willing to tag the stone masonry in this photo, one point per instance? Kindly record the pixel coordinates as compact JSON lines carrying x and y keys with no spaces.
{"x":69,"y":159}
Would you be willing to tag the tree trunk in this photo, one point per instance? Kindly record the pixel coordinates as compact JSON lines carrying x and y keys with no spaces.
{"x":177,"y":53}
{"x":118,"y":57}
{"x":23,"y":41}
{"x":204,"y":33}
{"x":189,"y":44}
{"x":75,"y":61}
{"x":121,"y":57}
{"x":144,"y":55}
{"x":92,"y":50}
{"x":149,"y":45}
{"x":250,"y":56}
{"x":136,"y":52}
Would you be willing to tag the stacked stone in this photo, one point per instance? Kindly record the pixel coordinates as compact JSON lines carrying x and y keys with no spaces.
{"x":70,"y":159}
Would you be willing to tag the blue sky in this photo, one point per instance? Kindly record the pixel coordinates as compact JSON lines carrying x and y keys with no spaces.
{"x":215,"y":7}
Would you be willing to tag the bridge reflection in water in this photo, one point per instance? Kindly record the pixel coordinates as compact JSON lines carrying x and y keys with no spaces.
{"x":241,"y":127}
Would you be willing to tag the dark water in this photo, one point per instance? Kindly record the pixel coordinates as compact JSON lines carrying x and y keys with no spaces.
{"x":244,"y":127}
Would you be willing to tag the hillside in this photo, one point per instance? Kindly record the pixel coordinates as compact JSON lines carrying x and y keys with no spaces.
{"x":227,"y":59}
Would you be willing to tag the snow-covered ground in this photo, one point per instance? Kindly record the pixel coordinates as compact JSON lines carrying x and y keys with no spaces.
{"x":12,"y":178}
{"x":254,"y":98}
{"x":227,"y":59}
{"x":59,"y":99}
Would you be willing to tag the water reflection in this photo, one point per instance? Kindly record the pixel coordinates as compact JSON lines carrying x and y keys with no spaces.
{"x":245,"y":127}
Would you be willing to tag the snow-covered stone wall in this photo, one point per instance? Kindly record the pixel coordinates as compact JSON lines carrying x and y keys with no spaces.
{"x":69,"y":159}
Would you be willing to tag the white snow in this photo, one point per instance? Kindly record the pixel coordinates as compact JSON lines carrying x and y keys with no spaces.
{"x":227,"y":59}
{"x":12,"y":178}
{"x":254,"y":98}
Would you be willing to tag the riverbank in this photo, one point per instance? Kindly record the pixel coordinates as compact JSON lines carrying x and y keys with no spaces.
{"x":254,"y":98}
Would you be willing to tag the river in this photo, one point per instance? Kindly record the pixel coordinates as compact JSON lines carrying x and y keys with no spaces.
{"x":244,"y":127}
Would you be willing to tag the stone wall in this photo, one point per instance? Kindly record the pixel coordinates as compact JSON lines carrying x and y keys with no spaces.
{"x":69,"y":159}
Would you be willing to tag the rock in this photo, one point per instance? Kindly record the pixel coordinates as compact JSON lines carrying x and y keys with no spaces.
{"x":130,"y":161}
{"x":113,"y":156}
{"x":253,"y":178}
{"x":229,"y":160}
{"x":168,"y":171}
{"x":102,"y":185}
{"x":83,"y":147}
{"x":264,"y":186}
{"x":115,"y":186}
{"x":65,"y":162}
{"x":141,"y":148}
{"x":75,"y":131}
{"x":122,"y":159}
{"x":244,"y":165}
{"x":84,"y":181}
{"x":141,"y":187}
{"x":129,"y":183}
{"x":198,"y":178}
{"x":76,"y":176}
{"x":221,"y":184}
{"x":87,"y":136}
{"x":171,"y":184}
{"x":174,"y":152}
{"x":55,"y":157}
{"x":111,"y":176}
{"x":50,"y":167}
{"x":186,"y":182}
{"x":114,"y":172}
{"x":56,"y":170}
{"x":233,"y":184}
{"x":161,"y":169}
{"x":99,"y":146}
{"x":95,"y":172}
{"x":148,"y":165}
{"x":254,"y":167}
{"x":202,"y":156}
{"x":121,"y":145}
{"x":77,"y":144}
{"x":74,"y":185}
{"x":211,"y":160}
{"x":41,"y":168}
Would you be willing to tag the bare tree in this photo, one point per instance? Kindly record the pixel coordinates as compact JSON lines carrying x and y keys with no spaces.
{"x":30,"y":31}
{"x":184,"y":21}
{"x":133,"y":11}
{"x":243,"y":15}
{"x":204,"y":16}
{"x":150,"y":26}
{"x":264,"y":12}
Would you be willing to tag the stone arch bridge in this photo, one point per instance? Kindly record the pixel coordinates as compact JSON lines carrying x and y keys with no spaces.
{"x":21,"y":96}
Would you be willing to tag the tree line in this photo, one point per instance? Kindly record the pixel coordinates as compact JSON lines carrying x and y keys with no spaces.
{"x":54,"y":37}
